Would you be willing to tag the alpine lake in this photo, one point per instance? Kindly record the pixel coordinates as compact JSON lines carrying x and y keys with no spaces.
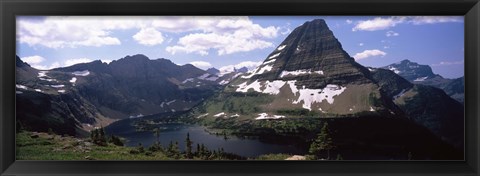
{"x":138,"y":131}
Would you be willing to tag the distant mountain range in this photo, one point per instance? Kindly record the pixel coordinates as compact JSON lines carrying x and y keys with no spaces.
{"x":94,"y":94}
{"x":423,"y":74}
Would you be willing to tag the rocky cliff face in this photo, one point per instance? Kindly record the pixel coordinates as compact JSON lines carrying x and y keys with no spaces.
{"x":312,"y":48}
{"x":425,"y":105}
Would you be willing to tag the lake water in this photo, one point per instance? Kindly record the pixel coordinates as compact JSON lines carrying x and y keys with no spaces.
{"x":178,"y":132}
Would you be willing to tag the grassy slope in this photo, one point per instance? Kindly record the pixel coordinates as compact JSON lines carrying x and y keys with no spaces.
{"x":55,"y":147}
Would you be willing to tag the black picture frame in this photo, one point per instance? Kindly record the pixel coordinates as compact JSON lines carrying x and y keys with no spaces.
{"x":11,"y":8}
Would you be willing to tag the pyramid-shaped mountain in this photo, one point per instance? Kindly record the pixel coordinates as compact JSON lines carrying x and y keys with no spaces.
{"x":310,"y":70}
{"x":314,"y":57}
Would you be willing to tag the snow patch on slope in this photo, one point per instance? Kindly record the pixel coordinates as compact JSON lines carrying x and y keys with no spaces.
{"x":310,"y":96}
{"x":219,"y":114}
{"x":394,"y":69}
{"x":81,"y":73}
{"x":300,"y":72}
{"x":265,"y":116}
{"x":21,"y":86}
{"x":73,"y":80}
{"x":274,"y":56}
{"x":244,"y":87}
{"x":268,"y":62}
{"x":421,"y":79}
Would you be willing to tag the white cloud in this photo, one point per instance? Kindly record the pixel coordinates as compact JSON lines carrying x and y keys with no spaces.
{"x":33,"y":59}
{"x":201,"y":43}
{"x":380,"y":23}
{"x":369,"y":53}
{"x":391,"y":34}
{"x":348,"y":21}
{"x":226,"y":36}
{"x":361,"y":44}
{"x":447,"y":63}
{"x":149,"y":37}
{"x":71,"y":62}
{"x":45,"y":67}
{"x":36,"y":62}
{"x":230,"y":68}
{"x":435,"y":19}
{"x":201,"y":64}
{"x":386,"y":47}
{"x":61,"y":32}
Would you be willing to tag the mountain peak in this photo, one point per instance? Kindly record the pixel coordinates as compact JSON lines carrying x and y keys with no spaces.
{"x":320,"y":22}
{"x":137,"y":57}
{"x":311,"y":51}
{"x":411,"y":71}
{"x":213,"y":71}
{"x":20,"y":63}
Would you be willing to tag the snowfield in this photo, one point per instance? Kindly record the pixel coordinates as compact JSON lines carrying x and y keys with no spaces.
{"x":223,"y":82}
{"x":244,"y":87}
{"x":57,"y":86}
{"x":273,"y":87}
{"x":307,"y":96}
{"x":203,"y":115}
{"x":61,"y":91}
{"x":264,"y":69}
{"x":188,"y":80}
{"x":274,"y":56}
{"x":394,"y":69}
{"x":281,"y":47}
{"x":47,"y":79}
{"x":265,"y":116}
{"x":259,"y":70}
{"x":73,"y":80}
{"x":219,"y":114}
{"x":268,"y":62}
{"x":81,"y":73}
{"x":21,"y":86}
{"x":300,"y":72}
{"x":310,"y":96}
{"x":42,"y":74}
{"x":170,"y":102}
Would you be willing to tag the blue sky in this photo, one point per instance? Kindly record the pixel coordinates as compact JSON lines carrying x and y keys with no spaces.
{"x":227,"y":42}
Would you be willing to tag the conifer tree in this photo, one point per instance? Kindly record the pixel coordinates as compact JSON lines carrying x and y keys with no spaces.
{"x":323,"y":142}
{"x":188,"y":146}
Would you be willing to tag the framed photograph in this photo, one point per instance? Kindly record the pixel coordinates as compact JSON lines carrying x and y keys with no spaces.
{"x":237,"y":88}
